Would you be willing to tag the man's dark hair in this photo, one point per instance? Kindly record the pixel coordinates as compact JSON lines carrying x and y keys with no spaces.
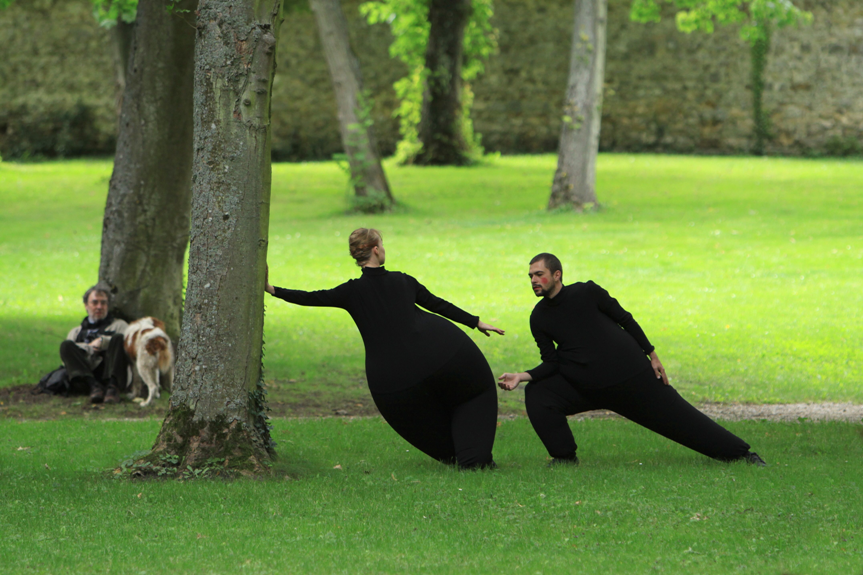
{"x":550,"y":261}
{"x":98,"y":288}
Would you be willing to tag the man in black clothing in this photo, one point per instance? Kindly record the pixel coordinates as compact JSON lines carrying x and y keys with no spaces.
{"x":93,"y":352}
{"x":596,"y":356}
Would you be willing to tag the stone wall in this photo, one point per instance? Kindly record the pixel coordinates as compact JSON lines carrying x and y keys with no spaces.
{"x":665,"y":91}
{"x":58,"y":90}
{"x":691,"y":93}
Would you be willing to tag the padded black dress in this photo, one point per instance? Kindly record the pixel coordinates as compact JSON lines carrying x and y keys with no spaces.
{"x":427,"y":377}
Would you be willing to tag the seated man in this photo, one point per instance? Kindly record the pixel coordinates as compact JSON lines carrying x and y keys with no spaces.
{"x":595,"y":356}
{"x":93,"y":352}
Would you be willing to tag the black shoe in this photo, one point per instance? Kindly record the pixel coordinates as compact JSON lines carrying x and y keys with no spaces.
{"x":97,"y":394}
{"x":112,"y":395}
{"x":116,"y":385}
{"x":557,"y":461}
{"x":753,"y":458}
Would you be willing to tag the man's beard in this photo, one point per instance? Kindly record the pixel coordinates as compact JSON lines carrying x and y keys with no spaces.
{"x":543,"y":291}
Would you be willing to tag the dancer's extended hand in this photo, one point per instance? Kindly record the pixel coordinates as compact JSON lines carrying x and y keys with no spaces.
{"x":267,"y":287}
{"x":657,"y":368}
{"x":485,"y":328}
{"x":509,"y":381}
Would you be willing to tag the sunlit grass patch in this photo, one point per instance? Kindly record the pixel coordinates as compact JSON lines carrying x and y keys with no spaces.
{"x":745,"y":273}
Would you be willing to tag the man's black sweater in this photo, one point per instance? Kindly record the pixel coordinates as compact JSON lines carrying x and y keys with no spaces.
{"x":592,"y":350}
{"x":404,"y":345}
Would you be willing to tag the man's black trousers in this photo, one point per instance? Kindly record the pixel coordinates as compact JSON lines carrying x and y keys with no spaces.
{"x":642,"y":399}
{"x":450,"y":416}
{"x":111,"y":371}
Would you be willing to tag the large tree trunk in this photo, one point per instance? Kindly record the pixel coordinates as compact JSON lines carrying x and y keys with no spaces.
{"x":217,"y":410}
{"x":145,"y":230}
{"x":367,"y":174}
{"x":440,"y":130}
{"x":575,"y":179}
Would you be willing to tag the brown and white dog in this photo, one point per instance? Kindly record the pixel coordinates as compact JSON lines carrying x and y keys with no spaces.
{"x":149,"y":350}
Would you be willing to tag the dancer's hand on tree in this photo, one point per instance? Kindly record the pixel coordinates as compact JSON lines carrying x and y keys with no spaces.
{"x":509,"y":381}
{"x":485,"y":328}
{"x":267,"y":287}
{"x":657,"y":368}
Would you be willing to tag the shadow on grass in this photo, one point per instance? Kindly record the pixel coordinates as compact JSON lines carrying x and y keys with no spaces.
{"x":30,"y":346}
{"x":18,"y":402}
{"x":284,"y":398}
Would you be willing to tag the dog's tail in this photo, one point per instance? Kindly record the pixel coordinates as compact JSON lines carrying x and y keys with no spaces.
{"x":156,"y":348}
{"x":156,"y":344}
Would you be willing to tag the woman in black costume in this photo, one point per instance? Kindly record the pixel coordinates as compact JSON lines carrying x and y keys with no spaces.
{"x":427,"y":377}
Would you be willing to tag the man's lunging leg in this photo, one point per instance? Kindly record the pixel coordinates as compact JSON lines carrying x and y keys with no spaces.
{"x":548,"y":402}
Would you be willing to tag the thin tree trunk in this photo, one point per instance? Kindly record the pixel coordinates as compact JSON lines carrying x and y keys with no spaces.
{"x":145,"y":229}
{"x":759,"y":50}
{"x":575,"y":179}
{"x":440,"y":130}
{"x":367,"y":174}
{"x":217,"y":409}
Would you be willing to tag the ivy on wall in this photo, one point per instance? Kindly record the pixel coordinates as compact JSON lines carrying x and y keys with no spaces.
{"x":757,"y":17}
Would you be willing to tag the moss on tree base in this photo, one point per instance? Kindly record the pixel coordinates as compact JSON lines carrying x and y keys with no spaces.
{"x":187,"y":448}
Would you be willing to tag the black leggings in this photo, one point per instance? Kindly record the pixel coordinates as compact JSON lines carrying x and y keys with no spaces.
{"x":642,"y":399}
{"x":450,"y":416}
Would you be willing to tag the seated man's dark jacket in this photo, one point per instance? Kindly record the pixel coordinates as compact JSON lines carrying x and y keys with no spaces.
{"x":90,"y":331}
{"x":599,"y":344}
{"x":107,"y":329}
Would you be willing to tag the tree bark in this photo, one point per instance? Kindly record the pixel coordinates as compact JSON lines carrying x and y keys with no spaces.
{"x":216,"y":410}
{"x":440,"y":130}
{"x":145,"y":229}
{"x":575,"y":179}
{"x":367,"y":174}
{"x":124,"y":32}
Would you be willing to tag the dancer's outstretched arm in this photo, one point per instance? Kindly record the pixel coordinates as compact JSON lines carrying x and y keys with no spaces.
{"x":450,"y":311}
{"x":336,"y":297}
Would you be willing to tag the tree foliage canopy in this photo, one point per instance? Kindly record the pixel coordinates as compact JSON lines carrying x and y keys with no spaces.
{"x":703,"y":15}
{"x":409,"y":24}
{"x":107,"y":12}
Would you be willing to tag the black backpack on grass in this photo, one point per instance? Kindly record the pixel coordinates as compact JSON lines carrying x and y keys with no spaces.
{"x":55,"y":382}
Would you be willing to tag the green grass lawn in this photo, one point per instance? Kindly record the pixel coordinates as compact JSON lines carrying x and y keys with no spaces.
{"x":745,"y":273}
{"x":636,"y":504}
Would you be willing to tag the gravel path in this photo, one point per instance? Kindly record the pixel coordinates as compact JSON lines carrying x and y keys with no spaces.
{"x":773,"y":412}
{"x":785,"y":411}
